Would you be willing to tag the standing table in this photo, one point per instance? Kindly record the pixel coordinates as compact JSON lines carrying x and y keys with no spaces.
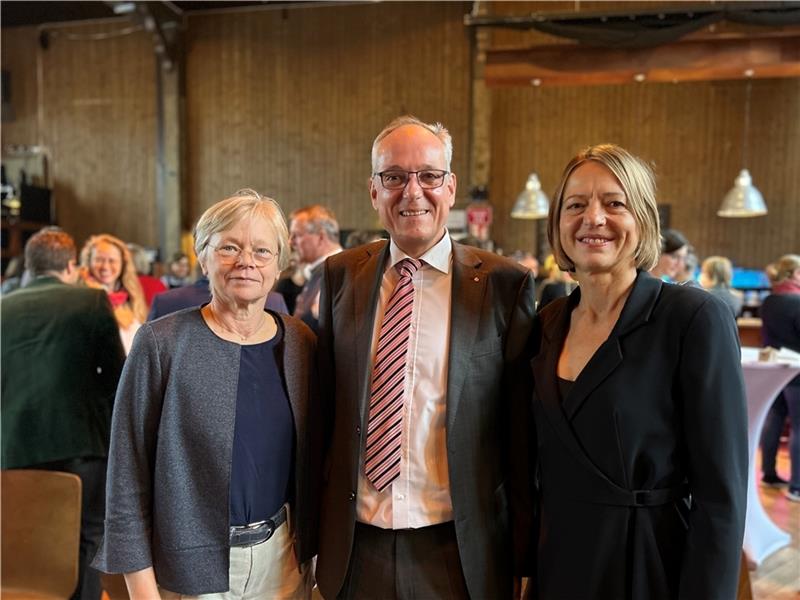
{"x":763,"y":381}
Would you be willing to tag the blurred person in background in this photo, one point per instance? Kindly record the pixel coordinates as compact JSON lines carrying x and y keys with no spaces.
{"x":314,"y":234}
{"x":215,"y":460}
{"x":556,"y":284}
{"x":359,"y":237}
{"x":62,"y":357}
{"x":144,"y":267}
{"x":14,"y":276}
{"x":716,"y":275}
{"x":108,"y":264}
{"x":178,"y":271}
{"x":672,"y":260}
{"x":780,"y":317}
{"x":687,"y":274}
{"x":527,"y":259}
{"x":197,"y":294}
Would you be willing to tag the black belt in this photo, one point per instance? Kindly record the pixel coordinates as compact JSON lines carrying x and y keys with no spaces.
{"x":616,"y":496}
{"x":257,"y":533}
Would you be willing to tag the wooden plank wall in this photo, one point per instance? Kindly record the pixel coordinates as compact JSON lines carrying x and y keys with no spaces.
{"x":97,"y":103}
{"x":289,"y":102}
{"x":19,"y":46}
{"x":691,"y":132}
{"x":693,"y":135}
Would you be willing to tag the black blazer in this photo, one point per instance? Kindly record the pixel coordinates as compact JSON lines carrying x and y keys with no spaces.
{"x":657,"y":416}
{"x":492,"y":312}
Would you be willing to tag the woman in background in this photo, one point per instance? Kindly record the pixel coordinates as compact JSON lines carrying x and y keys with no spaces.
{"x":672,"y":258}
{"x":780,"y":317}
{"x":640,"y":407}
{"x":108,"y":264}
{"x":178,"y":271}
{"x":716,"y":275}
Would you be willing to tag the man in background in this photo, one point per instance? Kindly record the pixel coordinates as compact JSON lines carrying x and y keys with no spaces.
{"x":62,"y":357}
{"x":314,"y":235}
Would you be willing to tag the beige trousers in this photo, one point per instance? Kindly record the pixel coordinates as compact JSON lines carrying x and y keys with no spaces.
{"x":266,"y":571}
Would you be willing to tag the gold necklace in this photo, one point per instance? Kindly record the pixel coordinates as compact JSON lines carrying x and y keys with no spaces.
{"x":243,"y":338}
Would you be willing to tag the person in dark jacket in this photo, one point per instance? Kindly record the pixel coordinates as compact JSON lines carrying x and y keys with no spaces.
{"x":62,"y":357}
{"x":639,"y":406}
{"x":215,"y":446}
{"x":197,"y":294}
{"x":780,"y":316}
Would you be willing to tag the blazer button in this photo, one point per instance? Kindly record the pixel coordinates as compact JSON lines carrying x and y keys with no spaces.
{"x":352,"y":496}
{"x":358,"y":430}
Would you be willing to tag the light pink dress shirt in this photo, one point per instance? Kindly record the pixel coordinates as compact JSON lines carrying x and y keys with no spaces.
{"x":420,"y":496}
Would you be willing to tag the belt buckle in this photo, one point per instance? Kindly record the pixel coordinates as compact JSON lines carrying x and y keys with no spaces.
{"x":270,"y":528}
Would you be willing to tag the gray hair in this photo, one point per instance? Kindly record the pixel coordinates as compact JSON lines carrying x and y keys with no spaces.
{"x":318,"y":218}
{"x":437,"y":129}
{"x":244,"y":204}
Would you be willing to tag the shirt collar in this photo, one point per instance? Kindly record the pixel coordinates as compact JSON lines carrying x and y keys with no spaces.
{"x":438,"y":256}
{"x":311,"y":266}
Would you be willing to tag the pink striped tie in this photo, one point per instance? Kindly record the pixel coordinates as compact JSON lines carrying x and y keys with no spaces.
{"x":385,"y":428}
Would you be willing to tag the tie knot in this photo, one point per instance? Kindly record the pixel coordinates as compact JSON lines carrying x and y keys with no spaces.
{"x":408,"y":266}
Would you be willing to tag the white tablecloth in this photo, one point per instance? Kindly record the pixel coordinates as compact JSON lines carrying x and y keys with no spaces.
{"x":763,"y":382}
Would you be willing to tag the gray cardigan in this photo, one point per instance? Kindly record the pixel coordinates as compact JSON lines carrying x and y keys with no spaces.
{"x":171,"y":444}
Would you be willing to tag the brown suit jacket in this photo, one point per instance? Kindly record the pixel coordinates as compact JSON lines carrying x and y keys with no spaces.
{"x":488,"y":389}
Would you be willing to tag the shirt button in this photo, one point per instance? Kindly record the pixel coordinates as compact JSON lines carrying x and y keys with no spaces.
{"x":401,"y":497}
{"x":358,"y":430}
{"x":352,"y":496}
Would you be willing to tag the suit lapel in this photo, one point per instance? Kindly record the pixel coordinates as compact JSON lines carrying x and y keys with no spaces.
{"x":466,"y":299}
{"x":366,"y":288}
{"x":608,"y":357}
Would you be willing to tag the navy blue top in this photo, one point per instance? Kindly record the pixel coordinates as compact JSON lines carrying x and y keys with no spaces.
{"x":263,"y":437}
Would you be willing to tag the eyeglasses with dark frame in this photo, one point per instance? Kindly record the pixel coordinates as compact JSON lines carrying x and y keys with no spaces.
{"x":396,"y":179}
{"x":231,"y":252}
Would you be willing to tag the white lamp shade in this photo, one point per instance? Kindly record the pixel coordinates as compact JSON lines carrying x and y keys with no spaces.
{"x":532,"y":203}
{"x":743,"y":200}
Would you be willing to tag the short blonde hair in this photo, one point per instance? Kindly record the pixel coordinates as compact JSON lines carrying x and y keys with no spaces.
{"x":244,"y":204}
{"x":783,"y":268}
{"x":718,"y":270}
{"x":639,"y":184}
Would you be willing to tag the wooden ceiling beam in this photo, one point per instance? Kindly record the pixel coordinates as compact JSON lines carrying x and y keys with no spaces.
{"x":686,"y":60}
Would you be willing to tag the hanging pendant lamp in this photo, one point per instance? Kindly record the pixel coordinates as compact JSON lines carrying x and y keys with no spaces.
{"x":744,"y":199}
{"x":532,"y":203}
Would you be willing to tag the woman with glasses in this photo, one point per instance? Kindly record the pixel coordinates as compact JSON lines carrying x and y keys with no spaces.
{"x":214,"y":460}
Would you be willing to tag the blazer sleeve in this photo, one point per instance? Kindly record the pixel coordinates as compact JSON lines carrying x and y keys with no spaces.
{"x":126,"y":545}
{"x":521,"y":442}
{"x":326,"y":365}
{"x":107,"y":347}
{"x":715,"y":427}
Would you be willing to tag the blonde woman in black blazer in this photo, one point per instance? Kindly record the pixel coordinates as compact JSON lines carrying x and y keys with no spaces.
{"x":639,"y":406}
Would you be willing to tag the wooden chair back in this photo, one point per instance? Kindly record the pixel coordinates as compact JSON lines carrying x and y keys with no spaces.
{"x":41,"y":522}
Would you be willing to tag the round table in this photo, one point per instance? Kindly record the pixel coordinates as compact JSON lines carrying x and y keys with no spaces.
{"x":763,"y":381}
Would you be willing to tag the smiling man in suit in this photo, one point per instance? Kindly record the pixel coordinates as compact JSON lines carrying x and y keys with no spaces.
{"x":424,"y":356}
